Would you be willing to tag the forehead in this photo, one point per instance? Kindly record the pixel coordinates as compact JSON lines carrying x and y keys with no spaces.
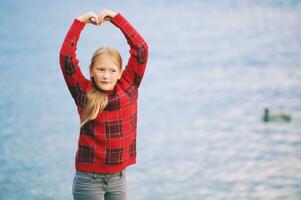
{"x":105,"y":61}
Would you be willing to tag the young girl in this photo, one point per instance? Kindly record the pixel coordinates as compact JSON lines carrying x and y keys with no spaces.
{"x":107,"y":106}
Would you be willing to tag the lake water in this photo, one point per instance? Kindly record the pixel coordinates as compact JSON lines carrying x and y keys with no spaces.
{"x":213,"y":67}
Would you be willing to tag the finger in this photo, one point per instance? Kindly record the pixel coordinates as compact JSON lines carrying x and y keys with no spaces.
{"x":96,"y":19}
{"x":101,"y":16}
{"x":107,"y":18}
{"x":90,"y":17}
{"x":93,"y":20}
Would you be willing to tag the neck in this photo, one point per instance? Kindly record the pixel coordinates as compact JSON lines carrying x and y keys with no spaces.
{"x":104,"y":91}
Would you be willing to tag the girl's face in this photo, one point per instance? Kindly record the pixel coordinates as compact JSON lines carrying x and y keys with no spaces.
{"x":105,"y":72}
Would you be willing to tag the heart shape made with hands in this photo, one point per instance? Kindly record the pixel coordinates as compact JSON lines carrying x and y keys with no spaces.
{"x":94,"y":21}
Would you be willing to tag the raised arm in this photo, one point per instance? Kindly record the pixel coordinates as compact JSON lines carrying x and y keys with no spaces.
{"x":75,"y":80}
{"x":135,"y":67}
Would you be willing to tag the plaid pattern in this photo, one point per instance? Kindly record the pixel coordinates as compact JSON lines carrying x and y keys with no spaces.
{"x":113,"y":129}
{"x":78,"y":95}
{"x":88,"y":129}
{"x":114,"y":103}
{"x":137,"y":79}
{"x":132,"y":94}
{"x":133,"y":148}
{"x":85,"y":154}
{"x":133,"y":121}
{"x":108,"y":143}
{"x":141,"y":54}
{"x":114,"y":156}
{"x":69,"y":66}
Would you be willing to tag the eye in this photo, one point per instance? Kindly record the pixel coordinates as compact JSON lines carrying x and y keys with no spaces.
{"x":100,"y":69}
{"x":114,"y":70}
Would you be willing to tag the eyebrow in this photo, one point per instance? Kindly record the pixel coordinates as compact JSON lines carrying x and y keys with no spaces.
{"x":100,"y":66}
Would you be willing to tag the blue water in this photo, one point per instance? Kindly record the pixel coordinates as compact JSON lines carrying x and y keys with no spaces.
{"x":214,"y":66}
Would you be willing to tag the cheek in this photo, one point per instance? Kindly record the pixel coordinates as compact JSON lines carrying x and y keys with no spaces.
{"x":97,"y":77}
{"x":98,"y":73}
{"x":116,"y":77}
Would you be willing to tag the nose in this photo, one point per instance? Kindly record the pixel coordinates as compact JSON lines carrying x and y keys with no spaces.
{"x":106,"y":75}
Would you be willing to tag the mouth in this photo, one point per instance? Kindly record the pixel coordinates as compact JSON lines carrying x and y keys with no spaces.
{"x":104,"y":82}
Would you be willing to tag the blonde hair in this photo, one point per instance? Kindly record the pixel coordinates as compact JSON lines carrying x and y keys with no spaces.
{"x":97,"y":99}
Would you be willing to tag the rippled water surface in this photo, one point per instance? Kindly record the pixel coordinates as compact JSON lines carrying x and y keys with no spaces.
{"x":214,"y":66}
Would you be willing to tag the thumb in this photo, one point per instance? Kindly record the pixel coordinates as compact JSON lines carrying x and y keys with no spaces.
{"x":94,"y":19}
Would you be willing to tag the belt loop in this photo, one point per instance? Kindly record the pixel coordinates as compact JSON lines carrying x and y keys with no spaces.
{"x":94,"y":176}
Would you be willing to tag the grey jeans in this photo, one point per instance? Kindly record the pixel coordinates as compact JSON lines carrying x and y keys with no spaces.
{"x":92,"y":186}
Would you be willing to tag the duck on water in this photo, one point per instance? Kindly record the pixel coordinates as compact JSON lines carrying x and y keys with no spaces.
{"x":267,"y":117}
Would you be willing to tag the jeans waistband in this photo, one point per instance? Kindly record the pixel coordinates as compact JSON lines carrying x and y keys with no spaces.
{"x":95,"y":175}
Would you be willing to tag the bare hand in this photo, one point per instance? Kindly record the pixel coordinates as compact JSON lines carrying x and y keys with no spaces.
{"x":89,"y":17}
{"x":106,"y":15}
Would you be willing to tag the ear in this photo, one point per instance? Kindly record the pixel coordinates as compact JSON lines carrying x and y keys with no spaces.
{"x":91,"y":72}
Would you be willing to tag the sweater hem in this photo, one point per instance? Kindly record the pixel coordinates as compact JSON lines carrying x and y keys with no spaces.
{"x":103,"y":170}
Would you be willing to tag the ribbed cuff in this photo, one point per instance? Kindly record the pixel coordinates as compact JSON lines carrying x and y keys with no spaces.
{"x":118,"y":20}
{"x":78,"y":25}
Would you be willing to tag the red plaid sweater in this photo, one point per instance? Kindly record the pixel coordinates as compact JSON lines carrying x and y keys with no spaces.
{"x":106,"y":144}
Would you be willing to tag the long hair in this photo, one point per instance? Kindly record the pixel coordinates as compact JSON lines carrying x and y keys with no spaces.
{"x":97,"y":99}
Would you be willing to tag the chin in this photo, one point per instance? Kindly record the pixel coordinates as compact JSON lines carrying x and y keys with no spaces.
{"x":106,"y":88}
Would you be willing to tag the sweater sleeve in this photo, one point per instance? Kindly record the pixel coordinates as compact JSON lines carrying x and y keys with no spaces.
{"x":134,"y":70}
{"x":75,"y":80}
